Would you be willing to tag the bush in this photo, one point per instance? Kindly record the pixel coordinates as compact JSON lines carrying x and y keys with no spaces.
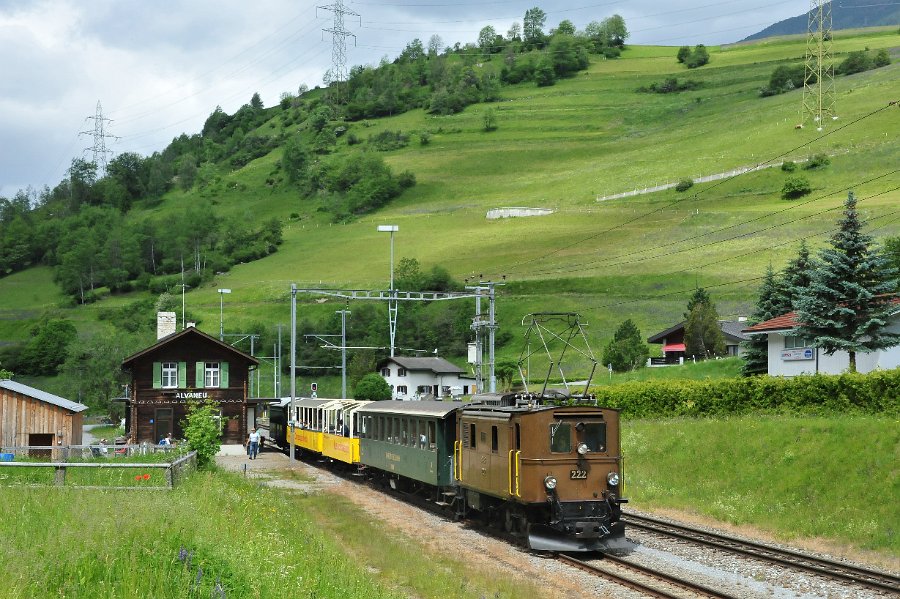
{"x":785,"y":78}
{"x":871,"y":393}
{"x":882,"y":58}
{"x":372,"y":387}
{"x":201,"y":429}
{"x":388,"y":140}
{"x":424,"y":138}
{"x":684,"y":185}
{"x":670,"y":85}
{"x":789,"y":166}
{"x":817,"y":161}
{"x":856,"y":62}
{"x":795,"y":187}
{"x":698,"y":58}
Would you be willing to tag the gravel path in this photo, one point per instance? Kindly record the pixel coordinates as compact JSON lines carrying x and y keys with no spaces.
{"x":737,"y":575}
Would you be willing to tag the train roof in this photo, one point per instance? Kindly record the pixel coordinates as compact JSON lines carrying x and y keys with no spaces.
{"x":411,"y":408}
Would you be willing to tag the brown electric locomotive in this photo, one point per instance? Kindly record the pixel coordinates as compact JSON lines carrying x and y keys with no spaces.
{"x":551,"y":474}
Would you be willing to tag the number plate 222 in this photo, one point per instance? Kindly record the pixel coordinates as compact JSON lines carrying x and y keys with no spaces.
{"x":578,"y":474}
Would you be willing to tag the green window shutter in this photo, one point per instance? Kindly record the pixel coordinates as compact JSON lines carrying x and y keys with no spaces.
{"x":200,"y":374}
{"x":182,"y":375}
{"x":223,"y":374}
{"x":157,"y":375}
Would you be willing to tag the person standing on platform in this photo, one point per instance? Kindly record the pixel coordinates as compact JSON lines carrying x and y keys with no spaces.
{"x":254,"y":444}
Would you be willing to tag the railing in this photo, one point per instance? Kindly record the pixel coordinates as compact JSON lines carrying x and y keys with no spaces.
{"x":92,"y":458}
{"x":514,"y":463}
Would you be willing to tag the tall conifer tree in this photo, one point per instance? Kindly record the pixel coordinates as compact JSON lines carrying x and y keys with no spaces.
{"x":849,"y":299}
{"x":756,"y":350}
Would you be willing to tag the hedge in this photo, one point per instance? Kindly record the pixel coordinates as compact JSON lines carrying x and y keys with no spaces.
{"x":873,"y":393}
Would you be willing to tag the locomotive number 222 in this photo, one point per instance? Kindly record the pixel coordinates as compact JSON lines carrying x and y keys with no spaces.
{"x":577,"y":474}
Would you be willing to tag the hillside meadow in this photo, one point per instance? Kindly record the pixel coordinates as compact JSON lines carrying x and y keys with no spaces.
{"x":561,"y":148}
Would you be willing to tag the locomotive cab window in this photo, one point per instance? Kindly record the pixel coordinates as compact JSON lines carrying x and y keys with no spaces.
{"x":595,"y":436}
{"x":495,"y":441}
{"x":561,"y":438}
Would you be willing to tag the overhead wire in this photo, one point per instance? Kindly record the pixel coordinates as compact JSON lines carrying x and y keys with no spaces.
{"x":517,"y":265}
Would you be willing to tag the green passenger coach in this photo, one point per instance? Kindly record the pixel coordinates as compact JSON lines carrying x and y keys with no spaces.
{"x":409,"y":441}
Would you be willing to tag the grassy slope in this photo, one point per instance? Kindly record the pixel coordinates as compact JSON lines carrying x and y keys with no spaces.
{"x":560,"y":147}
{"x":833,"y":478}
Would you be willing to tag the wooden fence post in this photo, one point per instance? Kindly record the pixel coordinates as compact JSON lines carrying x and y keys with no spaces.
{"x":60,"y":476}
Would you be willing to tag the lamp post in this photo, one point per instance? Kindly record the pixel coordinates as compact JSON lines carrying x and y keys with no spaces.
{"x":392,"y":301}
{"x":222,"y":293}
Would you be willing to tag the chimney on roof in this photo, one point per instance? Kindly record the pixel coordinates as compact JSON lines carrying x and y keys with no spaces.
{"x":165,"y":324}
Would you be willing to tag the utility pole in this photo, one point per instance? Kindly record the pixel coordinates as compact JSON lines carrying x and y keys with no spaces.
{"x":293,"y":365}
{"x":100,"y":135}
{"x":479,"y":326}
{"x":343,"y":314}
{"x":818,"y":80}
{"x":278,"y":365}
{"x":339,"y":37}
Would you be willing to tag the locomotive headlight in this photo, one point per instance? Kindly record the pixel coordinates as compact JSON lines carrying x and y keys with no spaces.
{"x":583,"y":449}
{"x":550,"y":483}
{"x":613,"y":479}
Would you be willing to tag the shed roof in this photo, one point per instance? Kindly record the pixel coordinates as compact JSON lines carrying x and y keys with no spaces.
{"x":434,"y":364}
{"x":411,"y":408}
{"x":187,"y":332}
{"x":72,"y":406}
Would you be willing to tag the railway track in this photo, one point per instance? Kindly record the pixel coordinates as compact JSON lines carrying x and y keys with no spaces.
{"x":872,"y":579}
{"x":642,"y":587}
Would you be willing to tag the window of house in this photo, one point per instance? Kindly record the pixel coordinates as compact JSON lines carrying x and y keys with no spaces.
{"x":561,"y":438}
{"x":385,"y":372}
{"x":211,"y":374}
{"x":795,"y":342}
{"x":401,"y":389}
{"x":401,"y":372}
{"x":170,"y":375}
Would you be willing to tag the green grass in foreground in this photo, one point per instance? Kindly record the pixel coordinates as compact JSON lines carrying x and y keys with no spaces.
{"x":796,"y":477}
{"x":247,"y":540}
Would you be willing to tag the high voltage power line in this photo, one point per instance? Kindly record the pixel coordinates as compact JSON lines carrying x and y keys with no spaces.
{"x":513,"y":267}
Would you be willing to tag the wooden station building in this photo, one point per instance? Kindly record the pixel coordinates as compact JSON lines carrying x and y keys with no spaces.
{"x":184,"y":366}
{"x":31,"y":417}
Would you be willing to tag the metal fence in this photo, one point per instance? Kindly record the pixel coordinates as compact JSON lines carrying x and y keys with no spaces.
{"x":176,"y":465}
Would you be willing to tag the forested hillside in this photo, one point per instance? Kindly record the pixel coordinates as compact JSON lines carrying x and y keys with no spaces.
{"x":431,"y":141}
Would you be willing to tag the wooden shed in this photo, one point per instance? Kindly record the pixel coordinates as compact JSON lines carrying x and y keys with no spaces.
{"x":183,"y":367}
{"x":31,"y":417}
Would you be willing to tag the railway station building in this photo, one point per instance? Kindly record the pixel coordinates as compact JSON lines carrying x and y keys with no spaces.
{"x":182,"y":367}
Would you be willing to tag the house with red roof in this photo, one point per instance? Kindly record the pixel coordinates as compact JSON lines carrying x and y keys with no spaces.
{"x":792,"y":355}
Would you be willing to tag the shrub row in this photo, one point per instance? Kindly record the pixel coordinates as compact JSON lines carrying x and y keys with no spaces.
{"x":876,"y":392}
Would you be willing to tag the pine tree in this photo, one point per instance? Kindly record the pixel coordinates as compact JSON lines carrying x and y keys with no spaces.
{"x":795,"y":278}
{"x":627,"y":350}
{"x":756,"y":350}
{"x":849,"y":301}
{"x":702,"y":333}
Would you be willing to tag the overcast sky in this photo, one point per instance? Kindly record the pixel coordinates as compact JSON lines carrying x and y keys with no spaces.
{"x":160,"y":67}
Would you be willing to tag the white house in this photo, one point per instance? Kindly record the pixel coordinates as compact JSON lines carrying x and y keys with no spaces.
{"x":791,"y":355}
{"x":414,"y":378}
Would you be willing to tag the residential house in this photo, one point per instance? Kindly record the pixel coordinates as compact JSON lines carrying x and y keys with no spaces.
{"x":416,"y":378}
{"x":672,"y":340}
{"x":792,"y":355}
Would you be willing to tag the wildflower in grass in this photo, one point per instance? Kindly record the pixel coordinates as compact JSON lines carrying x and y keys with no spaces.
{"x":219,"y":591}
{"x":138,"y":477}
{"x":147,"y":476}
{"x":182,"y":554}
{"x":198,"y":577}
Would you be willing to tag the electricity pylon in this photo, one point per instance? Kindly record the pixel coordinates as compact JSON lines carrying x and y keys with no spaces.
{"x":339,"y":37}
{"x":99,"y":148}
{"x":818,"y":80}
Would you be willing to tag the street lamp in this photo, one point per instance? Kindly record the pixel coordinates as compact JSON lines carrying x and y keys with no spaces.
{"x":392,"y":301}
{"x":222,"y":293}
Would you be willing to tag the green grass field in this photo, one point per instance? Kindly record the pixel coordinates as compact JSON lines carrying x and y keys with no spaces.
{"x":794,"y":477}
